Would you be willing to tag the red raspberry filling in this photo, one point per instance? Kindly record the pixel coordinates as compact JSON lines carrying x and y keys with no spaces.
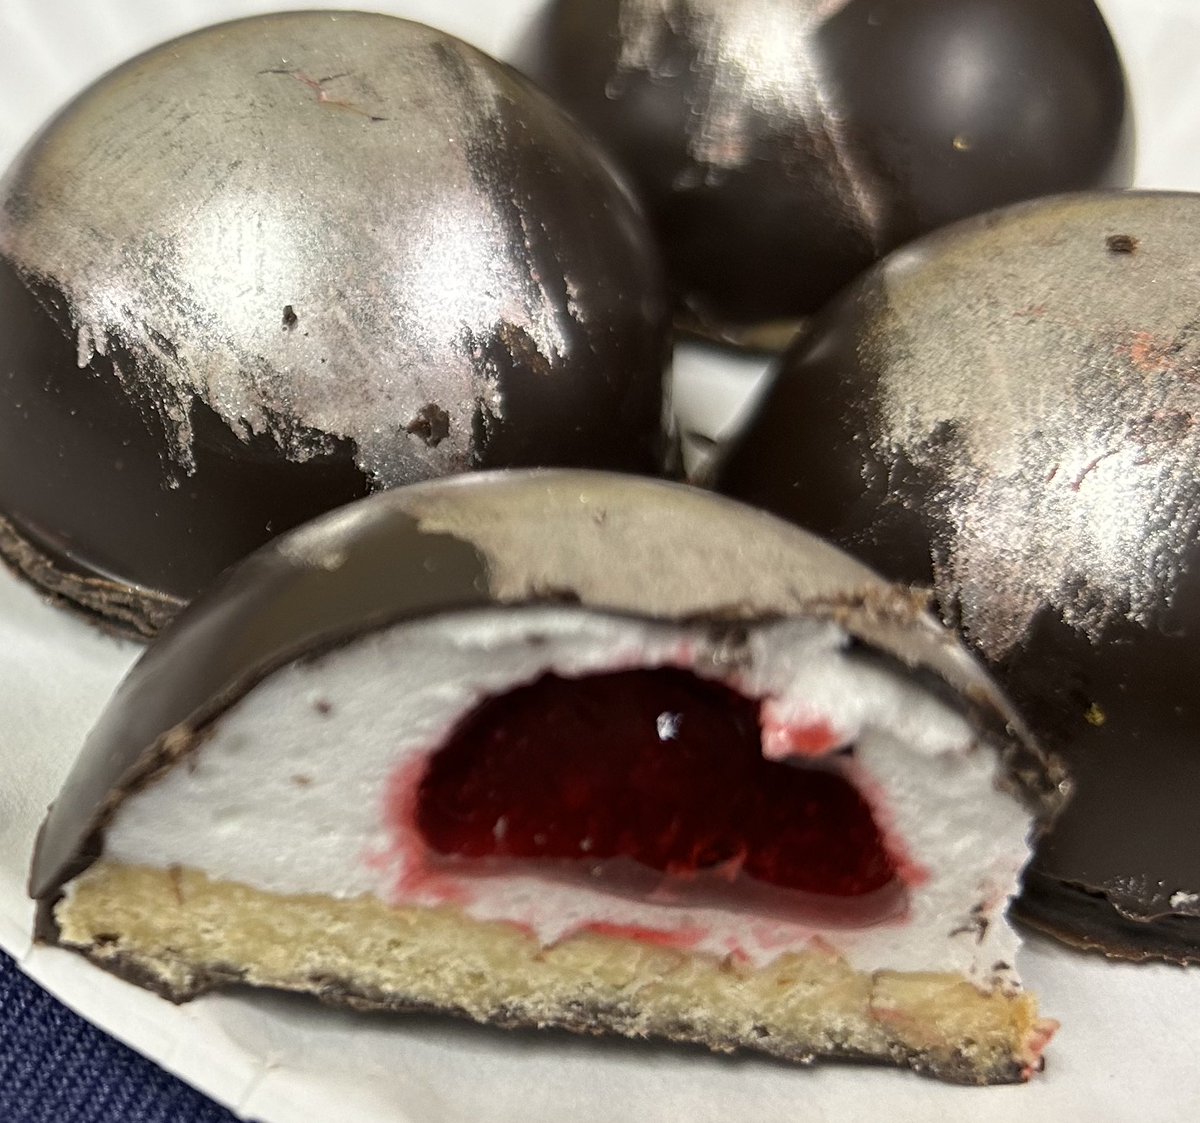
{"x":659,"y":766}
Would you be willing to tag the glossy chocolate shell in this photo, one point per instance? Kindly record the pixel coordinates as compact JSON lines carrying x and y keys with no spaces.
{"x":783,"y":145}
{"x":1007,"y":411}
{"x":272,"y":266}
{"x":434,"y":549}
{"x":481,"y":540}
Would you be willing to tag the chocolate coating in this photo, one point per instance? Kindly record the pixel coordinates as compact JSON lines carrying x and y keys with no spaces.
{"x":783,"y":145}
{"x":481,"y":540}
{"x":272,"y":266}
{"x":1007,"y":410}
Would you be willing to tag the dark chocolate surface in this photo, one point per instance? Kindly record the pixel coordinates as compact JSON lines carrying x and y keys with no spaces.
{"x":85,"y":474}
{"x":620,"y":544}
{"x":775,"y":176}
{"x":390,"y":260}
{"x":1007,"y":411}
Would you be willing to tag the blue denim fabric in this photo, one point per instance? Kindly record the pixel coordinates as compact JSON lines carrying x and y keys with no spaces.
{"x":57,"y":1068}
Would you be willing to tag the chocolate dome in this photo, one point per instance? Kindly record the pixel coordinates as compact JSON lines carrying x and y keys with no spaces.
{"x":783,"y":145}
{"x":1007,"y":411}
{"x":269,"y":267}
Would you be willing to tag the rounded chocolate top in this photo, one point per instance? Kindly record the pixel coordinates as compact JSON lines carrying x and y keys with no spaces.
{"x":279,"y":263}
{"x":1007,"y":411}
{"x":784,"y":145}
{"x":617,"y":544}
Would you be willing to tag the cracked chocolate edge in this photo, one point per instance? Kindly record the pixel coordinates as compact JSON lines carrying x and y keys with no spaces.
{"x":115,"y":608}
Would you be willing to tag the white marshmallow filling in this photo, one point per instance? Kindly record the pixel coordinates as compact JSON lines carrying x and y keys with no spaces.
{"x":295,"y":788}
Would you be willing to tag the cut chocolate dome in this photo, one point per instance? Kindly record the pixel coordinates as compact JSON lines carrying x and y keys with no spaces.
{"x":1008,"y":411}
{"x":783,"y":145}
{"x":267,"y":268}
{"x":566,"y":749}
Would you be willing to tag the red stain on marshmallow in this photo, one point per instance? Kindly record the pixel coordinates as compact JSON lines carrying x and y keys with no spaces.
{"x":680,"y":939}
{"x":907,"y":868}
{"x":784,"y":737}
{"x":416,"y":878}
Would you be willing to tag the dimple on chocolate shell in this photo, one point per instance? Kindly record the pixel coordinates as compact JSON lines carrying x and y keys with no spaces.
{"x":472,"y":558}
{"x":783,"y":145}
{"x":1007,"y":411}
{"x":279,"y":263}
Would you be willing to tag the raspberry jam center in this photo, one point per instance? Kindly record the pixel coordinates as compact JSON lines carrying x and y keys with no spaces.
{"x":658,"y":768}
